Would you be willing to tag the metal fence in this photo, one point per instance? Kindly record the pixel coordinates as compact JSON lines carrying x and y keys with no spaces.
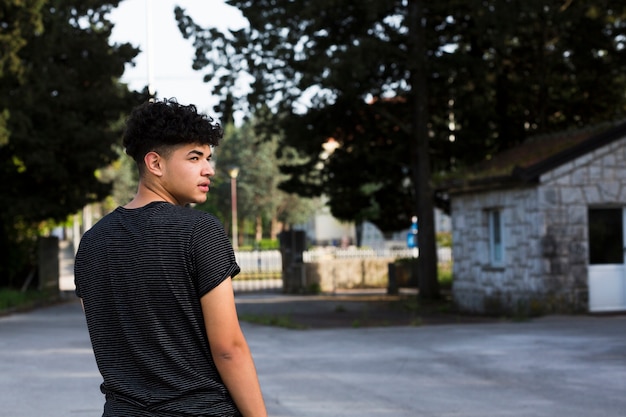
{"x":262,"y":270}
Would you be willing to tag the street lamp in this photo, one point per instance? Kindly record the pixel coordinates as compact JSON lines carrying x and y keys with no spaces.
{"x":233,"y":172}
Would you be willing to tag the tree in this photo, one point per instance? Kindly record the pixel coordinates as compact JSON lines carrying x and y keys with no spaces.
{"x":123,"y":176}
{"x":521,"y":69}
{"x":258,"y":197}
{"x":65,"y":113}
{"x":497,"y":72}
{"x":279,"y":65}
{"x":17,"y":19}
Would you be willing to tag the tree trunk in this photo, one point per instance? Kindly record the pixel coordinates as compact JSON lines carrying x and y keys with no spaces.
{"x":259,"y":229}
{"x":425,"y":207}
{"x":275,"y":228}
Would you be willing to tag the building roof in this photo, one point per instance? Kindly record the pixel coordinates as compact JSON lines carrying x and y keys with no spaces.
{"x":525,"y":163}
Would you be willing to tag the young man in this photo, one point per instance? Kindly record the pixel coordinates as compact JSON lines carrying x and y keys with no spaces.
{"x":154,"y":277}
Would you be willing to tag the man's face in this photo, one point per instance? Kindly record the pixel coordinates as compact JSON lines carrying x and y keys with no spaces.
{"x":186,"y":174}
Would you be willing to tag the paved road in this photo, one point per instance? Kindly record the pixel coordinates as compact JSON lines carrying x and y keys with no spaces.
{"x":555,"y":366}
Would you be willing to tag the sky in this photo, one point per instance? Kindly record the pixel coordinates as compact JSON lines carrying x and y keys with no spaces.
{"x":171,"y":54}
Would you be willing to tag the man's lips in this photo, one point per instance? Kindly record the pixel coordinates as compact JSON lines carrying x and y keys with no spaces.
{"x":204,"y":187}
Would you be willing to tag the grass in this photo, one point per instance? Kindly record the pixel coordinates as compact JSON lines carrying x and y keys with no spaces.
{"x":15,"y":299}
{"x":340,"y":308}
{"x":444,"y":275}
{"x":417,"y":321}
{"x":270,"y":320}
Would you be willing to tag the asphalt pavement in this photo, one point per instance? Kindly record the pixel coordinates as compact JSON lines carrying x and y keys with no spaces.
{"x":553,"y":366}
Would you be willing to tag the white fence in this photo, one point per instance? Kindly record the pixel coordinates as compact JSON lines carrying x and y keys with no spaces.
{"x":443,"y":254}
{"x":268,"y":261}
{"x":260,"y":271}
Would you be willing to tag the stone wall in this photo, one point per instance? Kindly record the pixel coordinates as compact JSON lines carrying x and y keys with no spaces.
{"x":545,"y":237}
{"x":477,"y":285}
{"x":597,"y":179}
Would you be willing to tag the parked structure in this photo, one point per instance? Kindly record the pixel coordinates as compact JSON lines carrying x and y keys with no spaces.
{"x":541,"y":227}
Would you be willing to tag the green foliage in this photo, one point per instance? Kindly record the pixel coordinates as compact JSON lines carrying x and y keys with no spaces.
{"x":270,"y":320}
{"x":14,"y":299}
{"x":408,"y":89}
{"x":258,"y":197}
{"x":268,"y":244}
{"x":64,"y":111}
{"x":358,"y":188}
{"x":496,"y":71}
{"x":340,"y":308}
{"x":444,"y":239}
{"x":444,"y":275}
{"x":18,"y":19}
{"x":123,"y":176}
{"x":18,"y":243}
{"x":537,"y":75}
{"x":444,"y":270}
{"x":314,"y":288}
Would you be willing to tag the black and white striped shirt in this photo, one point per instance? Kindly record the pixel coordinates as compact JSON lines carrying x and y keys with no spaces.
{"x":141,"y":273}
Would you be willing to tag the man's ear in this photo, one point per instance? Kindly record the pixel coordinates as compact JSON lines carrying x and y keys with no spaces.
{"x":153,"y":162}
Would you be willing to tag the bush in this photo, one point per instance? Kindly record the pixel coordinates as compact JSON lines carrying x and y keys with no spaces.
{"x":12,"y":298}
{"x":444,"y":270}
{"x":263,"y":244}
{"x":444,"y":239}
{"x":267,"y":244}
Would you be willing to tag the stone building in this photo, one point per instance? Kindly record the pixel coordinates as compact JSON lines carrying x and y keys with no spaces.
{"x":540,"y":228}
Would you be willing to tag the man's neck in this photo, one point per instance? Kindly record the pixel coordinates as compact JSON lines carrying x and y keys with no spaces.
{"x":146,"y":195}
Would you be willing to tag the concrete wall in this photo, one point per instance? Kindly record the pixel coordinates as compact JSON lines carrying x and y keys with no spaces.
{"x":334,"y":274}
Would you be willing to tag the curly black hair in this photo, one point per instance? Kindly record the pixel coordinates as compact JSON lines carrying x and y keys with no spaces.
{"x":160,"y":125}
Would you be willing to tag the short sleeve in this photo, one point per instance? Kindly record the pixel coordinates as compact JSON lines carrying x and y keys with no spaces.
{"x":212,"y":254}
{"x":79,"y":264}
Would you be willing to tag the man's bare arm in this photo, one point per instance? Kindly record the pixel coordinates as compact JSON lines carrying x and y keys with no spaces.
{"x":230,"y":350}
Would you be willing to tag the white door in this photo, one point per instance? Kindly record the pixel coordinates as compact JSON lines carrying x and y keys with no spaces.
{"x":607,"y":268}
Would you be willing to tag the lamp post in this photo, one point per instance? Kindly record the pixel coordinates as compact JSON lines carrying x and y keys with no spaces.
{"x":233,"y":172}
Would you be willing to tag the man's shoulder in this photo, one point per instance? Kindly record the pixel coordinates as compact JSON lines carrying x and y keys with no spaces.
{"x":191,"y":217}
{"x":189,"y":212}
{"x":103,"y":222}
{"x":156,"y":214}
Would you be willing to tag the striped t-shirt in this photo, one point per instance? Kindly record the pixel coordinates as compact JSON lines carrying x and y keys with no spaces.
{"x":141,"y":273}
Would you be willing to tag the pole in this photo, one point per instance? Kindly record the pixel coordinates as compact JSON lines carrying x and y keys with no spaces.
{"x":233,"y":203}
{"x":150,"y":47}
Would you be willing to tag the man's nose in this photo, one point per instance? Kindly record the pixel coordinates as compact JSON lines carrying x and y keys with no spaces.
{"x":209,"y":169}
